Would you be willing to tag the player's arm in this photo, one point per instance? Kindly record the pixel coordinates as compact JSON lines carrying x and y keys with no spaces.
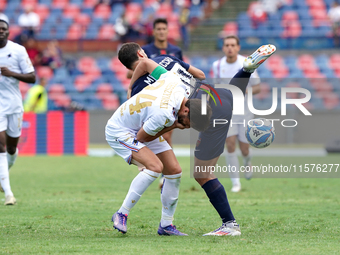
{"x":27,"y":77}
{"x":197,"y":73}
{"x":144,"y":137}
{"x":256,"y":89}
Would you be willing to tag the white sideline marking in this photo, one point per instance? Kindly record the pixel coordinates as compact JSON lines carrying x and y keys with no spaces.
{"x":273,"y":152}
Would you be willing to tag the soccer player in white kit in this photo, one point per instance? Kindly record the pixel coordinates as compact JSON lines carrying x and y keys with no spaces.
{"x":227,"y":67}
{"x":135,"y":133}
{"x":15,"y":66}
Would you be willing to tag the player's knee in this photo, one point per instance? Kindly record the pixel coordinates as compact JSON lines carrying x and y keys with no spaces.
{"x":245,"y":152}
{"x":155,"y":167}
{"x":231,"y":147}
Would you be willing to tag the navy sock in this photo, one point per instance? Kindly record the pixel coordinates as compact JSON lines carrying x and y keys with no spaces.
{"x":218,"y":198}
{"x":241,"y":80}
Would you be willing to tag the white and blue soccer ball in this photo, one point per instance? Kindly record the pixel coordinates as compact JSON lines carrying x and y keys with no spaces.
{"x":260,"y":133}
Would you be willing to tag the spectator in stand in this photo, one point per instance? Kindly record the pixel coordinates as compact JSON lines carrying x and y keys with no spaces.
{"x":4,"y":17}
{"x":52,"y":56}
{"x":36,"y":99}
{"x":271,"y":6}
{"x":33,"y":52}
{"x":184,"y":22}
{"x":334,"y":16}
{"x":29,"y":21}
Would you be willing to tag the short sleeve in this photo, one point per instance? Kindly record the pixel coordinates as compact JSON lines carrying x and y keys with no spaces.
{"x":156,"y":124}
{"x":25,"y":62}
{"x":214,"y":70}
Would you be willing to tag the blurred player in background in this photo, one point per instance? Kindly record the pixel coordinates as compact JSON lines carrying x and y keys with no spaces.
{"x":36,"y":98}
{"x":227,"y":67}
{"x":15,"y":66}
{"x":135,"y":132}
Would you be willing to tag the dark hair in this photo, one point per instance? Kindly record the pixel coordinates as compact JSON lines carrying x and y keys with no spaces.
{"x":128,"y":54}
{"x":197,"y":120}
{"x":232,"y":37}
{"x":160,"y":20}
{"x":4,"y":21}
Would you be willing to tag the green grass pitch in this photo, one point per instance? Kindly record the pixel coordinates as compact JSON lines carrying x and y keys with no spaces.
{"x":65,"y":206}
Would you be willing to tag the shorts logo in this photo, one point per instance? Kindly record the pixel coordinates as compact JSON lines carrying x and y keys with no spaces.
{"x":198,"y":142}
{"x":209,"y":93}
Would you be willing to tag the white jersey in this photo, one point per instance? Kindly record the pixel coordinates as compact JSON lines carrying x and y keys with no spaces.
{"x":154,"y":108}
{"x":15,"y":58}
{"x":222,"y":69}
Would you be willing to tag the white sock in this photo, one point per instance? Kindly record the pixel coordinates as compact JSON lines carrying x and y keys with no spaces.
{"x":246,"y":159}
{"x":4,"y":175}
{"x":138,"y":186}
{"x":232,"y":160}
{"x":169,"y":197}
{"x":11,"y":158}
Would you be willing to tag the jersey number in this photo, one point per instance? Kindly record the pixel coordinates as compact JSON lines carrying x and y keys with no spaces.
{"x":139,"y":105}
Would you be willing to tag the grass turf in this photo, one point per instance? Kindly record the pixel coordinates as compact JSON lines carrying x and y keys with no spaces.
{"x":65,"y":205}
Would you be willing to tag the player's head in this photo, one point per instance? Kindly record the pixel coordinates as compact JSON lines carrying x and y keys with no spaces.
{"x":231,"y":46}
{"x":191,"y":115}
{"x":160,"y":29}
{"x":4,"y":30}
{"x":130,"y":53}
{"x":43,"y":81}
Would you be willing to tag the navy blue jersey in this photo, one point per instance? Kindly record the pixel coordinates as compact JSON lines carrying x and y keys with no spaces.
{"x":152,"y":51}
{"x":167,"y":62}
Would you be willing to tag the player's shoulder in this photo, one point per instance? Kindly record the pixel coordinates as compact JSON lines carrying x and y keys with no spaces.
{"x":15,"y":46}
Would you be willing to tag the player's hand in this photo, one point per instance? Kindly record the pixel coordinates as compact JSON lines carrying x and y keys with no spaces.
{"x":6,"y":72}
{"x":128,"y":93}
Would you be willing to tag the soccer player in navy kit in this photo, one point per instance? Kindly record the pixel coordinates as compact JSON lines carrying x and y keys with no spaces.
{"x":211,"y":142}
{"x":161,"y":46}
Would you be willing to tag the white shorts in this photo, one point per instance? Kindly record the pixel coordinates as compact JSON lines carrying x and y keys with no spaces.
{"x":239,"y":129}
{"x":12,"y":123}
{"x":125,"y":142}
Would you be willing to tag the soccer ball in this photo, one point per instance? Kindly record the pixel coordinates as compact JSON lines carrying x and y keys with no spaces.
{"x":260,"y":133}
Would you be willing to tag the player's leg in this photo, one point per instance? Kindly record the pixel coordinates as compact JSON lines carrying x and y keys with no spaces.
{"x":246,"y":154}
{"x":12,"y":150}
{"x":169,"y":196}
{"x":168,"y":137}
{"x":13,"y":135}
{"x":132,"y":151}
{"x":217,"y":197}
{"x":232,"y":160}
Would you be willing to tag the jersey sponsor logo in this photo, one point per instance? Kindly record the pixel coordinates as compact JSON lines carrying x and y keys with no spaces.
{"x":166,"y":122}
{"x":165,"y":62}
{"x":149,"y":80}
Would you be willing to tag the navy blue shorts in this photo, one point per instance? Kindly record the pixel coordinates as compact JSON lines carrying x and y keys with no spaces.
{"x":210,"y":143}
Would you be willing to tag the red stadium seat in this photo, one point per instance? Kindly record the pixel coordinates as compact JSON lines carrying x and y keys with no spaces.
{"x":331,"y":100}
{"x":60,"y":3}
{"x":56,"y":88}
{"x":75,"y":32}
{"x":82,"y":19}
{"x":82,"y":82}
{"x":86,"y":63}
{"x":306,"y":61}
{"x":43,"y":11}
{"x":14,"y":31}
{"x":281,"y":73}
{"x":32,"y":3}
{"x":3,"y":4}
{"x":321,"y":85}
{"x":63,"y":100}
{"x":275,"y":62}
{"x":44,"y":71}
{"x":102,"y":11}
{"x":164,"y":10}
{"x":174,"y":32}
{"x":24,"y":87}
{"x":90,"y":3}
{"x":72,"y":11}
{"x":110,"y":102}
{"x":103,"y":90}
{"x":334,"y":61}
{"x":117,"y":67}
{"x":106,"y":32}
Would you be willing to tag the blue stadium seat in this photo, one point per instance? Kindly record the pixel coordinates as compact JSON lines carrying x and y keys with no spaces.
{"x":46,"y":2}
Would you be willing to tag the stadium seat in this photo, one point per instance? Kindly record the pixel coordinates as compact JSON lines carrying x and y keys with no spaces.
{"x":110,"y":102}
{"x":103,"y":11}
{"x":106,"y":32}
{"x":164,"y":10}
{"x":44,"y":71}
{"x":334,"y":61}
{"x":43,"y":12}
{"x":306,"y":61}
{"x":3,"y":4}
{"x":82,"y":19}
{"x":25,"y":3}
{"x":60,"y":4}
{"x":331,"y":100}
{"x":75,"y":32}
{"x":63,"y":100}
{"x":71,"y":11}
{"x":89,"y":3}
{"x":103,"y":90}
{"x":82,"y":82}
{"x":14,"y":30}
{"x":85,"y":64}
